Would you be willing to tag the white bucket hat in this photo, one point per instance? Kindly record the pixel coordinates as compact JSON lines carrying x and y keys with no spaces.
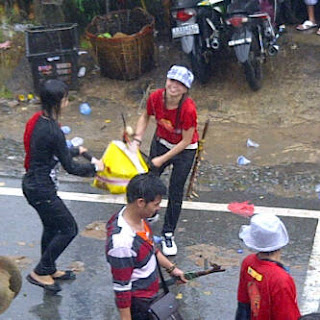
{"x":181,"y":74}
{"x":265,"y":233}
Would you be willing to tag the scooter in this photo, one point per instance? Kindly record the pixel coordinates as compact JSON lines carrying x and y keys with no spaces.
{"x":199,"y":25}
{"x":253,"y":37}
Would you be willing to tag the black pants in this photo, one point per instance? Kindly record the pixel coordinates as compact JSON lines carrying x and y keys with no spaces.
{"x":59,"y":229}
{"x":139,"y":308}
{"x":182,"y":164}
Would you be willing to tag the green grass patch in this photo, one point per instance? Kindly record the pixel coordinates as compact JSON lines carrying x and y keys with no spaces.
{"x":5,"y":93}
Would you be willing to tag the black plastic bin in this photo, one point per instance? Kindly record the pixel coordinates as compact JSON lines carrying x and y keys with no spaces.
{"x":63,"y":66}
{"x":52,"y":39}
{"x":53,"y":53}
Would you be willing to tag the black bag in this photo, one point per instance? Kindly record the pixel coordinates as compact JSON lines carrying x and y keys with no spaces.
{"x":165,"y":307}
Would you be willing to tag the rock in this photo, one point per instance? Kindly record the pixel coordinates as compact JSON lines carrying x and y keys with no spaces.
{"x":10,"y":282}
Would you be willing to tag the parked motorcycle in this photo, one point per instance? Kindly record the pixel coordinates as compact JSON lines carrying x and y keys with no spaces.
{"x":199,"y":25}
{"x":253,"y":36}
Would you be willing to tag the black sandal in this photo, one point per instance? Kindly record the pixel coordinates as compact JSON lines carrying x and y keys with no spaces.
{"x":54,"y":288}
{"x":69,"y":275}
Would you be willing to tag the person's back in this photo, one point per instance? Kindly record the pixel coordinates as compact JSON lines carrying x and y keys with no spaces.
{"x":266,"y":290}
{"x":269,"y":289}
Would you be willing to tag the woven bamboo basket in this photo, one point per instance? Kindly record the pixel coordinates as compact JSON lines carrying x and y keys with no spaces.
{"x":130,"y":50}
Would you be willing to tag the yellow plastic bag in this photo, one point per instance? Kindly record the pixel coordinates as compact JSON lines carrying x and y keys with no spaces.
{"x":121,"y":166}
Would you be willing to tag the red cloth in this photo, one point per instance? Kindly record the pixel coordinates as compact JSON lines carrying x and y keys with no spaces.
{"x":27,"y":137}
{"x":245,"y":208}
{"x":166,"y":119}
{"x":274,"y":297}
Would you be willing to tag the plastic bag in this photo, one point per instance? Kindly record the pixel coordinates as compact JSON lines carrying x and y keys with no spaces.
{"x":121,"y":165}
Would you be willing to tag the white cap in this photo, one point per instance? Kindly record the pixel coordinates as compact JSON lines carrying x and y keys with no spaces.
{"x":181,"y":74}
{"x":265,"y":233}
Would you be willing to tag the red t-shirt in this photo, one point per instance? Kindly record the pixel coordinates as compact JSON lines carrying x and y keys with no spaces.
{"x":166,"y":119}
{"x":269,"y":289}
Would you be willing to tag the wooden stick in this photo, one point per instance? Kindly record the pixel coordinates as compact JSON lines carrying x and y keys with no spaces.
{"x":197,"y":160}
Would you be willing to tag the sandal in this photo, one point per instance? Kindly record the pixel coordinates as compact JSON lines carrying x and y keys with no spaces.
{"x":54,"y":288}
{"x":306,"y":25}
{"x":68,"y":275}
{"x":318,"y":32}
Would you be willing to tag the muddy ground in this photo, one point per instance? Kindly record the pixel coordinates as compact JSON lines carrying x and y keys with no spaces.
{"x":283,"y":117}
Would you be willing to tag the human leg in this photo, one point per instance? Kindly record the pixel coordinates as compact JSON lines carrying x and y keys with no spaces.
{"x":311,"y":16}
{"x":311,"y":22}
{"x":60,"y":227}
{"x":182,"y":164}
{"x":181,"y":168}
{"x":157,"y":149}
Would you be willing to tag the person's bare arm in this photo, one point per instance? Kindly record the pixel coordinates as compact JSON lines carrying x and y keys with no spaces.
{"x":125,"y":314}
{"x":186,"y":140}
{"x":167,"y":264}
{"x":142,"y":125}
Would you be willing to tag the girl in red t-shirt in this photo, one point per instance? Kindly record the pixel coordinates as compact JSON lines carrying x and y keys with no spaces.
{"x":175,"y":142}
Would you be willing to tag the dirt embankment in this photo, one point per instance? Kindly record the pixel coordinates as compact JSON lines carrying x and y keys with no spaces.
{"x":282,"y":117}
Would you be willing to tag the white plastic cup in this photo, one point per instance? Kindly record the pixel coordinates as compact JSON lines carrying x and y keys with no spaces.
{"x":82,"y":72}
{"x":242,"y":160}
{"x":85,"y":108}
{"x":77,"y":141}
{"x":65,"y":129}
{"x":252,"y":144}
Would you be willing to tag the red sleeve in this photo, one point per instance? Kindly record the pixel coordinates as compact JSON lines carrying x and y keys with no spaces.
{"x":122,"y":265}
{"x":189,"y":115}
{"x":154,"y":102}
{"x":284,"y":306}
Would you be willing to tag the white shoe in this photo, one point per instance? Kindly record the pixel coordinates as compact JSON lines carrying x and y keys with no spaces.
{"x":154,"y":218}
{"x":169,"y":247}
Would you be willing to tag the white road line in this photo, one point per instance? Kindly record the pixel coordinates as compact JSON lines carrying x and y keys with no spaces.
{"x":201,"y":206}
{"x":311,"y":290}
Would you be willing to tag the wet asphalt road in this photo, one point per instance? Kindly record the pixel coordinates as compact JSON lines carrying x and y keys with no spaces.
{"x":200,"y":233}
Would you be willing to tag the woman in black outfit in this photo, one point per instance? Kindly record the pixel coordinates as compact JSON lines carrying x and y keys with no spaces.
{"x":45,"y":147}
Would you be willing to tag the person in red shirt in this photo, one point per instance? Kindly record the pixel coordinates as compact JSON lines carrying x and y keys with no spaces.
{"x":266,"y":290}
{"x":175,"y":142}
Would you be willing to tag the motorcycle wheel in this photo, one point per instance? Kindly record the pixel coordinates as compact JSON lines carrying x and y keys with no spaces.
{"x":253,"y":66}
{"x":200,"y":67}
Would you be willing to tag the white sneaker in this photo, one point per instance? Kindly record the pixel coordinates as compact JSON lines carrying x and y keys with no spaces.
{"x":154,"y":218}
{"x":169,"y":247}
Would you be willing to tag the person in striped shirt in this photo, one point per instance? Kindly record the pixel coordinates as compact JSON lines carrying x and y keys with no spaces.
{"x":130,"y":249}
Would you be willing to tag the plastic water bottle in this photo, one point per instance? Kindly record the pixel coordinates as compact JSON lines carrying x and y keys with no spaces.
{"x":85,"y":108}
{"x":65,"y":129}
{"x":157,"y":239}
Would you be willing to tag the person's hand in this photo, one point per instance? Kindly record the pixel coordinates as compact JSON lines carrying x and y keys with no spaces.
{"x":82,"y":150}
{"x":98,"y":163}
{"x":157,"y":161}
{"x":133,"y":146}
{"x":176,"y":272}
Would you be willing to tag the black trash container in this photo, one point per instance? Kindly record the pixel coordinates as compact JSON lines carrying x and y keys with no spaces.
{"x":53,"y":53}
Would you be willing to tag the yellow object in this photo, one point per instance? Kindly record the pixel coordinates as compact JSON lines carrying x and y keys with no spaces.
{"x":21,"y":97}
{"x":121,"y":165}
{"x":107,"y":121}
{"x":254,"y":274}
{"x":30,"y":96}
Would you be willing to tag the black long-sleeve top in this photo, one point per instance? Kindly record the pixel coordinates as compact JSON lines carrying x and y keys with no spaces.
{"x":47,"y":147}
